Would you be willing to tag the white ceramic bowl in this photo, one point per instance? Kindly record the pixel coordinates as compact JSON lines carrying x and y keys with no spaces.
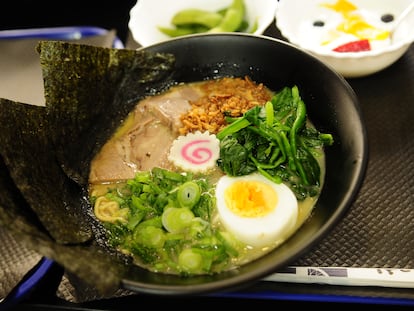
{"x":147,"y":15}
{"x":295,"y":20}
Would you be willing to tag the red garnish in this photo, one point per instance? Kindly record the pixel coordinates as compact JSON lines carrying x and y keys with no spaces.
{"x":354,"y":46}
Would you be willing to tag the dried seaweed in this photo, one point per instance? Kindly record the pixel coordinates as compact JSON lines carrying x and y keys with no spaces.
{"x":89,"y":91}
{"x":88,"y":262}
{"x":27,"y":152}
{"x":15,"y":213}
{"x":46,"y":151}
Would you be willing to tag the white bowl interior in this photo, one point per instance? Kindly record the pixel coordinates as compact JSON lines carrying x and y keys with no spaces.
{"x":295,"y":18}
{"x":146,"y":15}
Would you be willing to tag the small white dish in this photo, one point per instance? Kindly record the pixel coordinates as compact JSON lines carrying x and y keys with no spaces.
{"x":313,"y":26}
{"x":147,"y":15}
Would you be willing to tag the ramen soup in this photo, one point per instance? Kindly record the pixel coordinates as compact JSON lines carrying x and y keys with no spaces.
{"x":208,"y":176}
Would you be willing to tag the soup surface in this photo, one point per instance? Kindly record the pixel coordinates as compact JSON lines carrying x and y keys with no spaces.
{"x":208,"y":176}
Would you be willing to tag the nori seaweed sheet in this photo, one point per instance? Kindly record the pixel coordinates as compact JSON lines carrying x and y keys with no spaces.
{"x":27,"y":151}
{"x":45,"y":152}
{"x":90,"y":90}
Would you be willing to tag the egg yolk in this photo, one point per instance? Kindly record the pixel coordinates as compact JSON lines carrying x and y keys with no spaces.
{"x":250,"y":198}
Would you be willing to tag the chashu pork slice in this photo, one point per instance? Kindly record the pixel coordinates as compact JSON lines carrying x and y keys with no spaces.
{"x":145,"y":140}
{"x":170,"y":106}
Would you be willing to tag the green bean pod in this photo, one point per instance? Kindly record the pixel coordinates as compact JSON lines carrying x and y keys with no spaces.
{"x":182,"y":30}
{"x":196,"y":17}
{"x":232,"y":19}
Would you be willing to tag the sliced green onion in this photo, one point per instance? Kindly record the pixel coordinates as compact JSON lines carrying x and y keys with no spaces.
{"x":176,"y":220}
{"x":269,"y":113}
{"x":150,"y":236}
{"x":190,"y":261}
{"x":188,"y":194}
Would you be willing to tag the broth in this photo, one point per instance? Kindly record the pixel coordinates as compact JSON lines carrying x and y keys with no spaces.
{"x":140,"y":150}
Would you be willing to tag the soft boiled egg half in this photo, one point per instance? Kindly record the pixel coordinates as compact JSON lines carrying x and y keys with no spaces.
{"x":255,"y":210}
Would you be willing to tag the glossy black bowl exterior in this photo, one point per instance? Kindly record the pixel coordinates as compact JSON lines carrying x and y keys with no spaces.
{"x":332,"y":106}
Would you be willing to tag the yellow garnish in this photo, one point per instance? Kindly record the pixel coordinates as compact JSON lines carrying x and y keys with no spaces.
{"x":354,"y":24}
{"x":341,"y":6}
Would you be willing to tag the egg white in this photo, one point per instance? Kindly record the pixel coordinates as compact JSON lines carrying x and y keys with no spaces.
{"x":267,"y":230}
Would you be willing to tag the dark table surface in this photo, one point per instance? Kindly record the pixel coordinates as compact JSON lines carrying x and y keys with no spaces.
{"x":378,"y":230}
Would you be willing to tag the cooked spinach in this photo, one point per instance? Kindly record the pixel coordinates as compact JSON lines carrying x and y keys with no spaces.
{"x":278,"y":141}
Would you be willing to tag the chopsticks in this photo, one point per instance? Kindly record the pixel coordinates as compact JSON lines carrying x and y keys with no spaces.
{"x":386,"y":277}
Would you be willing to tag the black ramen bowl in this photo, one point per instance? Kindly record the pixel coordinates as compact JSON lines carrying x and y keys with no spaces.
{"x":333,"y":108}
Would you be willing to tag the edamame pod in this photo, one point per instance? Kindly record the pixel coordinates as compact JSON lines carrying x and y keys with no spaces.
{"x":232,"y":18}
{"x":182,"y":30}
{"x":196,"y":16}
